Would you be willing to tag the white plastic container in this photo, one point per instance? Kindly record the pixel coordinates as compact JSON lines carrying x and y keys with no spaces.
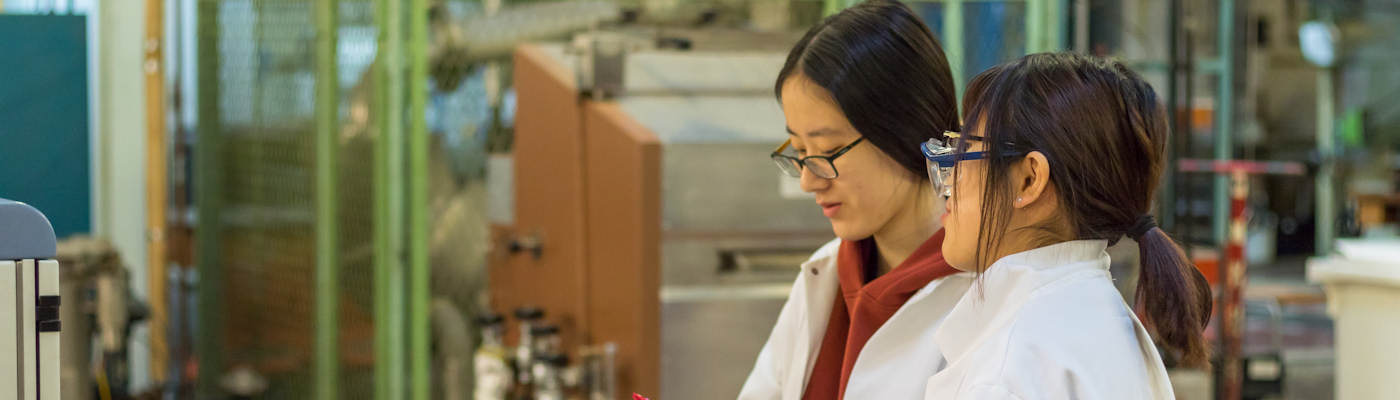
{"x":1363,"y":296}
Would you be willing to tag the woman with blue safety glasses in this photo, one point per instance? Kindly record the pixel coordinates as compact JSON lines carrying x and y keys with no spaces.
{"x":1062,"y":158}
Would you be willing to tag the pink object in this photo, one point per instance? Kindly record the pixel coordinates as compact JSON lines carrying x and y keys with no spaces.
{"x":638,"y":397}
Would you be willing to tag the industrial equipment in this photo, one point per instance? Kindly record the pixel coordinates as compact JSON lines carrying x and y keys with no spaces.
{"x":97,"y":288}
{"x":647,"y":213}
{"x":29,"y":303}
{"x":493,"y":376}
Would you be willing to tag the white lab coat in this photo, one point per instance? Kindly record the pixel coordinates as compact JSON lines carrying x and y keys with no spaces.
{"x":894,"y":363}
{"x":1047,"y":324}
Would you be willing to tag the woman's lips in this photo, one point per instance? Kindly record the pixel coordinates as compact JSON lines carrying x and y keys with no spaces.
{"x":830,"y":209}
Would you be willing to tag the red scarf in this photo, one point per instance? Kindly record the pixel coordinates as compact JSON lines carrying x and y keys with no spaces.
{"x":864,"y":307}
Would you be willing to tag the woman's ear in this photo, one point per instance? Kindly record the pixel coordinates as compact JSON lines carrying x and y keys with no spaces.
{"x":1032,"y":177}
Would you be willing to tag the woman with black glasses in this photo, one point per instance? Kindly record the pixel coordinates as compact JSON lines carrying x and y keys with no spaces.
{"x":859,"y":93}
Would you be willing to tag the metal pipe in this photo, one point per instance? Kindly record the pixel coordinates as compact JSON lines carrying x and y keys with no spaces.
{"x":953,"y":42}
{"x":1057,"y":20}
{"x":455,"y":346}
{"x":1326,"y":147}
{"x":1232,"y":302}
{"x":1035,"y":26}
{"x":1081,"y":26}
{"x":327,"y":348}
{"x":1224,"y":116}
{"x":1188,"y":95}
{"x":1166,"y":204}
{"x":490,"y":37}
{"x":207,"y":194}
{"x":831,"y":7}
{"x":388,"y":203}
{"x":420,"y":361}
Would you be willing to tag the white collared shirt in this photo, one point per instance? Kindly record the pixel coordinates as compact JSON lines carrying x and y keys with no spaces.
{"x":1047,"y":324}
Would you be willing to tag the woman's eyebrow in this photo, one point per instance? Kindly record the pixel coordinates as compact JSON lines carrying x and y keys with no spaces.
{"x":815,"y":133}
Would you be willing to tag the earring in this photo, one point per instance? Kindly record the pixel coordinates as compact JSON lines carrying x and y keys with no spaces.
{"x":1018,"y":200}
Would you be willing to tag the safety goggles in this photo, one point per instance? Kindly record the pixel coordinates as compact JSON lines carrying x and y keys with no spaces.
{"x":941,"y":155}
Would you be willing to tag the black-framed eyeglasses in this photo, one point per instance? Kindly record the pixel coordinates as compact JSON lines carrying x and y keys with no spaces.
{"x":822,"y":166}
{"x":941,"y":156}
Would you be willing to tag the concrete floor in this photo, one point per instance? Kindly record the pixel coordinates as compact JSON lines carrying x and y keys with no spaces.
{"x":1305,"y":328}
{"x":1286,"y":315}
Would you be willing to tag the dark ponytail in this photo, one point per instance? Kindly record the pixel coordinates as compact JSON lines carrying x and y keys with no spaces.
{"x":1104,"y":133}
{"x":1174,"y":296}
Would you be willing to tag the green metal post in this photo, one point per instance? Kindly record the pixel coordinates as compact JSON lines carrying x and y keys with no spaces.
{"x":327,"y":346}
{"x":831,"y":7}
{"x":207,"y":203}
{"x":388,"y":204}
{"x":953,"y":41}
{"x":1056,"y":25}
{"x":1224,"y":118}
{"x":1166,"y":200}
{"x":419,"y":291}
{"x":1035,"y":27}
{"x":1326,"y":148}
{"x":1045,"y":25}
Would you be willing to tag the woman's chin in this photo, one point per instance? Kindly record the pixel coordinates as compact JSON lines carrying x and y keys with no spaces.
{"x":846,"y":231}
{"x":955,"y":257}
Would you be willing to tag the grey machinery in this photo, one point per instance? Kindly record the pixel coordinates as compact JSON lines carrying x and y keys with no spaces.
{"x":29,"y":301}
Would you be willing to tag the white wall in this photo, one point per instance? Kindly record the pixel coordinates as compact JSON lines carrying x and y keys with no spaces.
{"x":119,"y":153}
{"x":47,"y":6}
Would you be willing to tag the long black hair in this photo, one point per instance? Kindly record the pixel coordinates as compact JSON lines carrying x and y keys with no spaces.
{"x":1104,"y":133}
{"x":887,"y":74}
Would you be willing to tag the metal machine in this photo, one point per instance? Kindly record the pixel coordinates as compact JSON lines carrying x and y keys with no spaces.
{"x":100,"y":305}
{"x":29,"y":302}
{"x":647,"y":213}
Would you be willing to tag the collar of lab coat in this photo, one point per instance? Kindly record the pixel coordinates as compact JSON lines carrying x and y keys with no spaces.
{"x":1001,"y":290}
{"x":821,"y":285}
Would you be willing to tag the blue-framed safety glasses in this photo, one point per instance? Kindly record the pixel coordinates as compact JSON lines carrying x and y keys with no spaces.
{"x":941,"y":155}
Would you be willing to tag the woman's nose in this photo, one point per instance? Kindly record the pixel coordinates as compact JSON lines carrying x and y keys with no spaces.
{"x":811,"y":183}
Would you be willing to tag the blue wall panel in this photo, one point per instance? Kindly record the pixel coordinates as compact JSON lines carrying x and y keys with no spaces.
{"x":44,"y":152}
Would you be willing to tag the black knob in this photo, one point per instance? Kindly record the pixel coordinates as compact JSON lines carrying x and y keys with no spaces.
{"x":554,"y":359}
{"x":543,"y":330}
{"x":489,"y":319}
{"x":529,"y":313}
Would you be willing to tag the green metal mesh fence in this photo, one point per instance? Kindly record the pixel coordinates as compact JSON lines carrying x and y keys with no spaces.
{"x":260,"y":74}
{"x":256,"y":192}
